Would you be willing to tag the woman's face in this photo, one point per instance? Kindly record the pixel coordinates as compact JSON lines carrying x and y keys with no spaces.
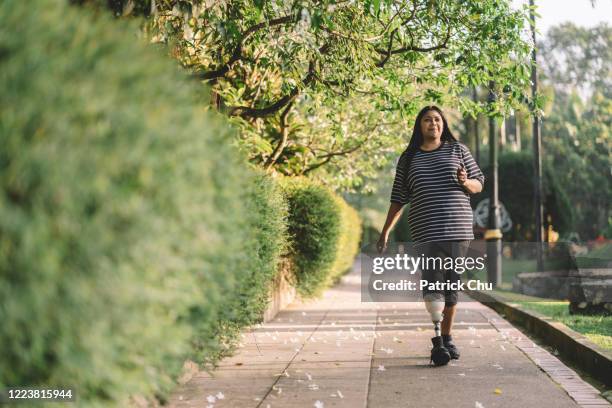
{"x":432,"y":125}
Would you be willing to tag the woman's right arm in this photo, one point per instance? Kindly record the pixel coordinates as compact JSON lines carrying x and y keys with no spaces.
{"x":394,"y":213}
{"x":400,"y":195}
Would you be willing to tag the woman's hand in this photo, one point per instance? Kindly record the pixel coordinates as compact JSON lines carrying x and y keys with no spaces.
{"x":462,"y":175}
{"x":381,"y":245}
{"x":471,"y":186}
{"x":395,"y":211}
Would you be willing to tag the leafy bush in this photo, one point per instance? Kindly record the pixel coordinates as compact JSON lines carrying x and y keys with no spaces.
{"x":122,"y":212}
{"x":265,"y":241}
{"x":325,"y":233}
{"x":314,"y":228}
{"x":348,"y":242}
{"x":268,"y":211}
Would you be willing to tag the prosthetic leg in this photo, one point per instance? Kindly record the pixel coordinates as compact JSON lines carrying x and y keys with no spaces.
{"x":434,"y":303}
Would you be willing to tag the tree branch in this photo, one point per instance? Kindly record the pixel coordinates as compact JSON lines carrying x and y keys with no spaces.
{"x":284,"y":130}
{"x":237,"y":54}
{"x":279,"y":104}
{"x":388,"y":52}
{"x":383,"y":61}
{"x":329,"y":156}
{"x":311,"y":76}
{"x":419,"y":49}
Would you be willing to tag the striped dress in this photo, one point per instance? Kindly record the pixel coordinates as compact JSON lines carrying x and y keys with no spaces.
{"x":439,"y":207}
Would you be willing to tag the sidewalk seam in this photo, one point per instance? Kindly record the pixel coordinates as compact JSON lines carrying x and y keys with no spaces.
{"x":292,"y":359}
{"x":372,"y":352}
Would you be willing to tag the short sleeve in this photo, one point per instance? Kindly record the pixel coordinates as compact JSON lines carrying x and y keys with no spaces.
{"x":399,"y":192}
{"x":471,"y":167}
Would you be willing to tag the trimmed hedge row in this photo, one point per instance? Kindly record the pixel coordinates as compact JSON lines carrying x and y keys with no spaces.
{"x":265,"y":242}
{"x":132,"y":235}
{"x":126,"y":218}
{"x":325,"y":233}
{"x":348,"y":243}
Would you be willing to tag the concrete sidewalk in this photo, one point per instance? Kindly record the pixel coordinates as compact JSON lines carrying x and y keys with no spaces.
{"x":339,"y":352}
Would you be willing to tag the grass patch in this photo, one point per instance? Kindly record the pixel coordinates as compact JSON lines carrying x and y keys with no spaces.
{"x":597,"y":329}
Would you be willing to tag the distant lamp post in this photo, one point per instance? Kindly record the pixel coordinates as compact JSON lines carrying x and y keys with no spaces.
{"x":493,"y":235}
{"x":537,"y":146}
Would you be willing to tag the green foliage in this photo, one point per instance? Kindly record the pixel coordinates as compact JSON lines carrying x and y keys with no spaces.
{"x":578,"y":141}
{"x":122,"y":217}
{"x":265,"y":240}
{"x":348,"y":240}
{"x":576,"y":129}
{"x":598,"y":329}
{"x":578,"y":58}
{"x":516,"y":193}
{"x":325,"y":89}
{"x":314,"y":228}
{"x":268,"y":211}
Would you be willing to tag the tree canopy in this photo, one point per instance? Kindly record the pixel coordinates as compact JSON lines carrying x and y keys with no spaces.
{"x":578,"y":58}
{"x":327,"y":88}
{"x":576,"y":128}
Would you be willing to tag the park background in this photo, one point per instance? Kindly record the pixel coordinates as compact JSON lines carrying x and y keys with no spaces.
{"x":165,"y":163}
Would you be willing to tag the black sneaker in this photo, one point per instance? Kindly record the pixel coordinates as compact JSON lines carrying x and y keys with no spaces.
{"x":439,"y":354}
{"x":450,"y":346}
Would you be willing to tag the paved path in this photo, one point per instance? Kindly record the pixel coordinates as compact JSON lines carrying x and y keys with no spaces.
{"x":339,"y":352}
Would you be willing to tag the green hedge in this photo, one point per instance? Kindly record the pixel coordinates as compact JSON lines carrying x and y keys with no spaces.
{"x":324,"y":233}
{"x":265,"y":241}
{"x":123,"y":220}
{"x":348,"y":240}
{"x":132,"y":236}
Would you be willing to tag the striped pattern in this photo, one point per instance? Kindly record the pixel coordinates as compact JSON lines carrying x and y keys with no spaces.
{"x":439,"y":207}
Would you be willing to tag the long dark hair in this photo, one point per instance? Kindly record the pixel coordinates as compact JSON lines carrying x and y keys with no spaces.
{"x":417,"y":136}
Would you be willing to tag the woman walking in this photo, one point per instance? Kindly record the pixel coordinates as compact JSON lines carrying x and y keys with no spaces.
{"x":436,"y":174}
